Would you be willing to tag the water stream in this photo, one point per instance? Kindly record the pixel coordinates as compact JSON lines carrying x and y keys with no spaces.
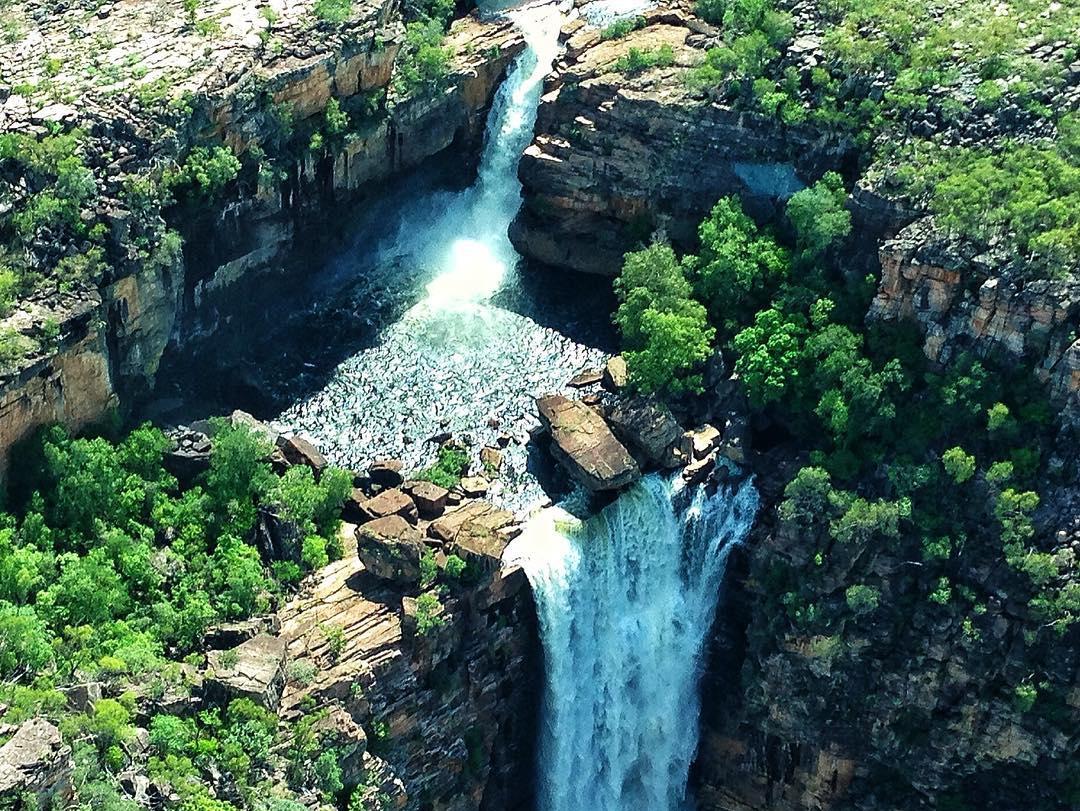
{"x":625,"y":600}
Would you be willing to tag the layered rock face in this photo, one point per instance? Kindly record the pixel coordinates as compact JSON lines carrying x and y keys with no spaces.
{"x":618,"y":156}
{"x":449,"y":710}
{"x":139,"y":87}
{"x":968,"y":302}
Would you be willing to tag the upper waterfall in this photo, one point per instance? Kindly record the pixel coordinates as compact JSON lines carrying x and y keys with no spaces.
{"x":625,"y":600}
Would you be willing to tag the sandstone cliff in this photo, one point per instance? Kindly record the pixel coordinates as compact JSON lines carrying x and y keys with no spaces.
{"x":619,"y":155}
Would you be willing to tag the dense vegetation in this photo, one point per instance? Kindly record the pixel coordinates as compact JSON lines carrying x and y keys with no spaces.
{"x":908,"y":81}
{"x":111,"y":572}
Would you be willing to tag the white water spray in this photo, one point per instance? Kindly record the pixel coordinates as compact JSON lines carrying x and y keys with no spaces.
{"x":467,"y":238}
{"x":625,"y":601}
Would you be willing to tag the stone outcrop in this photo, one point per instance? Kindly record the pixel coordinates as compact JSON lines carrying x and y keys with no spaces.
{"x":585,"y":445}
{"x":650,"y":429}
{"x":254,"y":669}
{"x":144,"y":86}
{"x":35,"y":767}
{"x":967,"y":302}
{"x":617,"y":156}
{"x":451,"y":713}
{"x":390,"y":548}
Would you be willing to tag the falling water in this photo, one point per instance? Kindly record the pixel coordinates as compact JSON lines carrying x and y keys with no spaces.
{"x":625,"y":599}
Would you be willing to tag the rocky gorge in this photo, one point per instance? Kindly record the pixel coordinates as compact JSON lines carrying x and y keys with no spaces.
{"x":418,"y":657}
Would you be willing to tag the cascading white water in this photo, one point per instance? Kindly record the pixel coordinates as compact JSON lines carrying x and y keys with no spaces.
{"x":625,"y":599}
{"x":465,"y":236}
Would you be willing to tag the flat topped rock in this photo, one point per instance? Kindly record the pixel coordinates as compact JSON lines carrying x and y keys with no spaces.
{"x":584,"y":444}
{"x":390,"y":548}
{"x":35,"y":763}
{"x":389,"y":502}
{"x":254,"y":669}
{"x":479,"y":513}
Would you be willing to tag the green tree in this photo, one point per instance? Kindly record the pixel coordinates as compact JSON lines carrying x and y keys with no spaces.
{"x":959,"y":464}
{"x":25,"y":643}
{"x":675,"y":344}
{"x":665,"y":331}
{"x":738,"y":269}
{"x":769,"y":356}
{"x":818,"y":215}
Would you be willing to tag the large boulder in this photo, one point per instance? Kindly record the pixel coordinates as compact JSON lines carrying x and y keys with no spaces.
{"x":299,"y":450}
{"x":430,"y":498}
{"x":479,"y":546}
{"x":585,"y":446}
{"x":479,"y":513}
{"x":386,"y":472}
{"x":254,"y":669}
{"x":650,"y":429}
{"x":390,"y":548}
{"x":35,"y":768}
{"x":388,"y":502}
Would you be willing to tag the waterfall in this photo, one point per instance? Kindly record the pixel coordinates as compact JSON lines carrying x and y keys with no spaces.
{"x":625,"y":600}
{"x":463,"y":236}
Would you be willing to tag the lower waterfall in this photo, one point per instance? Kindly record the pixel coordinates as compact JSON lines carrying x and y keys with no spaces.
{"x":625,"y":599}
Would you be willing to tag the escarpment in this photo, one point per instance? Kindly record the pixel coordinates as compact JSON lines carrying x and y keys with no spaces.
{"x":194,"y":154}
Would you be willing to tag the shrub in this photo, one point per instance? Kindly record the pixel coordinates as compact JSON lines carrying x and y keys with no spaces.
{"x":428,"y":618}
{"x":302,"y":672}
{"x":637,"y":60}
{"x":862,"y":599}
{"x":620,"y":28}
{"x":205,"y":172}
{"x":1024,"y":697}
{"x":449,"y":467}
{"x":332,"y":11}
{"x":423,"y":61}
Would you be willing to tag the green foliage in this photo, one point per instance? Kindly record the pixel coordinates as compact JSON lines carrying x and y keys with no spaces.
{"x":959,"y":464}
{"x":450,"y":465}
{"x":738,"y":266}
{"x":818,"y":215}
{"x":665,"y":331}
{"x":621,"y":28}
{"x":455,"y":567}
{"x":862,"y":599}
{"x":428,"y":613}
{"x":769,"y":356}
{"x":638,"y":60}
{"x":1024,"y":697}
{"x":429,"y":569}
{"x":25,"y":647}
{"x":1025,"y":193}
{"x":332,"y":11}
{"x":337,"y":120}
{"x":942,"y":592}
{"x":423,"y":62}
{"x":204,"y":173}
